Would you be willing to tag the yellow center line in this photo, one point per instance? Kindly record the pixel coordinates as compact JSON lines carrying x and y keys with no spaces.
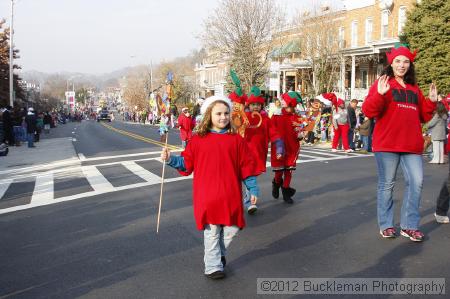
{"x":141,"y":138}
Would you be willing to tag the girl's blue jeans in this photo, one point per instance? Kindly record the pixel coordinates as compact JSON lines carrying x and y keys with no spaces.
{"x":412,"y":168}
{"x":365,"y":141}
{"x":217,"y":238}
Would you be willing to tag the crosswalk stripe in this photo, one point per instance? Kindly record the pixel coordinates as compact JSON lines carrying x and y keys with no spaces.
{"x":324,"y":153}
{"x":43,"y":189}
{"x":95,"y":178}
{"x":141,"y":172}
{"x":307,"y":156}
{"x":4,"y":186}
{"x":44,"y":182}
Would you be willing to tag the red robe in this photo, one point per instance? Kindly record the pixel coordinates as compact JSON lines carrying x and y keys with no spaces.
{"x":258,"y":139}
{"x":284,"y":125}
{"x":186,"y":125}
{"x":220,"y":162}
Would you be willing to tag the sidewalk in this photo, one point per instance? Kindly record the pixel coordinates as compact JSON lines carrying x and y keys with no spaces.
{"x":48,"y":154}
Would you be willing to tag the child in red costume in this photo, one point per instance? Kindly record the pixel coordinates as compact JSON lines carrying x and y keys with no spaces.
{"x":186,"y":125}
{"x":220,"y":161}
{"x":285,"y":125}
{"x":258,"y":135}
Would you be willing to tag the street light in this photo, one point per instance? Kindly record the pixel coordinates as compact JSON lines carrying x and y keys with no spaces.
{"x":11,"y":51}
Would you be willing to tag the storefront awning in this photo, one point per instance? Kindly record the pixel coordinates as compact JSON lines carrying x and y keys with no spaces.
{"x":291,"y":47}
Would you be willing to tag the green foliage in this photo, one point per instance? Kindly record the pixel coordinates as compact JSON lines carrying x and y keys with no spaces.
{"x":428,"y":30}
{"x":4,"y":68}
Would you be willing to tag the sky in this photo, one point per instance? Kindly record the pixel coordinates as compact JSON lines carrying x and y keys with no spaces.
{"x":100,"y":36}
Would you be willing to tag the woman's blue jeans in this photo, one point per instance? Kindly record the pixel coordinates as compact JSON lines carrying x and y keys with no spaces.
{"x":412,"y":167}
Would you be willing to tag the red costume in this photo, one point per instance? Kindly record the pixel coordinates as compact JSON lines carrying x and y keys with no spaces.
{"x":286,"y":125}
{"x":259,"y":133}
{"x":186,"y":125}
{"x":220,"y":162}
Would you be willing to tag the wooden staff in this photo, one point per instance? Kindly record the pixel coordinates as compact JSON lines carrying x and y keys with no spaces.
{"x":162,"y":186}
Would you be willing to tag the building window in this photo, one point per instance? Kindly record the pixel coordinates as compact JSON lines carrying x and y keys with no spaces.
{"x":354,"y":34}
{"x":341,"y":38}
{"x":401,"y":19}
{"x":384,"y":23}
{"x":364,"y":79}
{"x":369,"y":30}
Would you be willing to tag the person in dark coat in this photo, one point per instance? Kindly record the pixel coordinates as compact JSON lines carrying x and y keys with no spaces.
{"x":30,"y":121}
{"x":351,"y":114}
{"x":47,"y":122}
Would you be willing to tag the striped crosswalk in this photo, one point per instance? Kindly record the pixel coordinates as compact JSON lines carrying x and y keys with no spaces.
{"x":100,"y":175}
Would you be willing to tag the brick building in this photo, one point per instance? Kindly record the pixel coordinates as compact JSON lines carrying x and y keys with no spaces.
{"x":369,"y":29}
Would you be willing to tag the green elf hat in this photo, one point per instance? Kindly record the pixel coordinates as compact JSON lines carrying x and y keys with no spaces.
{"x":255,"y":96}
{"x":237,"y":96}
{"x":291,"y":99}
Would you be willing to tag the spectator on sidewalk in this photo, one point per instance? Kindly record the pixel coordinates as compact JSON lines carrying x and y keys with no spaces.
{"x":352,"y":121}
{"x":364,"y":132}
{"x":437,"y":126}
{"x":30,"y":121}
{"x":47,"y":122}
{"x":39,"y":127}
{"x":442,"y":202}
{"x":341,"y":127}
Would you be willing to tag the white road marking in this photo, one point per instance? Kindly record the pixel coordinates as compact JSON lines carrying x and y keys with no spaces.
{"x":141,"y":172}
{"x":74,"y":139}
{"x":4,"y":186}
{"x":97,"y":181}
{"x":43,"y":189}
{"x":124,"y":156}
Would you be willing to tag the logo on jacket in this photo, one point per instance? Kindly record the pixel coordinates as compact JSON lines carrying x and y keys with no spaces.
{"x":405,"y":96}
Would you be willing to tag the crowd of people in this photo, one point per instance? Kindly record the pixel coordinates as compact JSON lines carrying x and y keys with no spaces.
{"x":229,"y":146}
{"x":21,"y":125}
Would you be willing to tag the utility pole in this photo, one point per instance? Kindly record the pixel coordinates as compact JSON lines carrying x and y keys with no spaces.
{"x":11,"y":61}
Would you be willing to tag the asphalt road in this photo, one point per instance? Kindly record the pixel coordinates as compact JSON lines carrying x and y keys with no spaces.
{"x":102,"y":241}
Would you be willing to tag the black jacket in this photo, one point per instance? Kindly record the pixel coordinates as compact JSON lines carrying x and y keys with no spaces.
{"x":30,"y":120}
{"x":351,"y":117}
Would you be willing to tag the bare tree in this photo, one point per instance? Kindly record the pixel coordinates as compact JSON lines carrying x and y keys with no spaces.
{"x":135,"y":94}
{"x":241,"y":31}
{"x":320,"y":48}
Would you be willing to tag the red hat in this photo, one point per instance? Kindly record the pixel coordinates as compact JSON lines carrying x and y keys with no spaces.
{"x":400,"y":50}
{"x":255,"y":96}
{"x":328,"y":97}
{"x":289,"y":100}
{"x":235,"y":98}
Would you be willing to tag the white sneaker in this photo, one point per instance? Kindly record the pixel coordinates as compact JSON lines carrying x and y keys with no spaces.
{"x":252,"y":209}
{"x":441,"y":219}
{"x":349,"y":150}
{"x":334,"y":150}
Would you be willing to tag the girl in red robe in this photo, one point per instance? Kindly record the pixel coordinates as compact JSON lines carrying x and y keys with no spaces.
{"x":220,"y":161}
{"x":286,"y":126}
